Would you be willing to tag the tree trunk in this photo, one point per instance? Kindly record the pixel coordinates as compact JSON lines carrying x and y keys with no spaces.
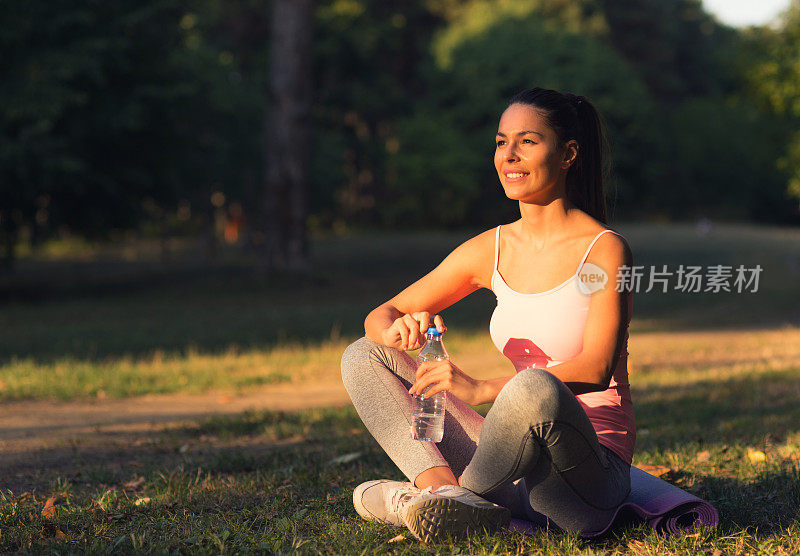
{"x":287,"y":136}
{"x":9,"y":235}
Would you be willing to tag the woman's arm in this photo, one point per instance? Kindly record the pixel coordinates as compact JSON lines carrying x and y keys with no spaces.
{"x":606,"y":323}
{"x":401,"y":322}
{"x":590,"y":371}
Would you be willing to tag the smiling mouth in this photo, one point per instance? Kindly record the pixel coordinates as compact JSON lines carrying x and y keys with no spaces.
{"x":516,"y":175}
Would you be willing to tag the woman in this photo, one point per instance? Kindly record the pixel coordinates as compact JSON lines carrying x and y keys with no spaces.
{"x":558,"y":441}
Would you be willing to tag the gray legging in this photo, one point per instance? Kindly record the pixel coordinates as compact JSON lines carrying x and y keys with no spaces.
{"x":536,"y":452}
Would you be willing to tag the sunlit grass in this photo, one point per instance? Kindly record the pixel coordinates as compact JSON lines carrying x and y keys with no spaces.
{"x":657,"y":359}
{"x":112,"y":304}
{"x":714,"y":379}
{"x":719,"y":409}
{"x":162,"y":373}
{"x":268,"y":481}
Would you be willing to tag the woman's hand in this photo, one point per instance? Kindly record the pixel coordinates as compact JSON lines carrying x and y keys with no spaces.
{"x":407,"y":332}
{"x":444,"y":375}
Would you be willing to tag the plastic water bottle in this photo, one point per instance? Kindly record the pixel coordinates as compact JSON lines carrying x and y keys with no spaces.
{"x":427,"y":414}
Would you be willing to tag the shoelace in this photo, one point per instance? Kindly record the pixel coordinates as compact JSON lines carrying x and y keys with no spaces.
{"x":454,"y":491}
{"x":402,"y":495}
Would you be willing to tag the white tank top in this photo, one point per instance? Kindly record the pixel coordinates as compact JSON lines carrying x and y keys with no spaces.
{"x":544,"y":329}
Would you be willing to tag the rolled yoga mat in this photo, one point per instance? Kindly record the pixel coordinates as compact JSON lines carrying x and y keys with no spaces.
{"x":667,"y":508}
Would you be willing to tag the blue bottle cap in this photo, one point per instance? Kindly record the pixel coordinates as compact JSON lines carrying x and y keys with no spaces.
{"x":433,"y":330}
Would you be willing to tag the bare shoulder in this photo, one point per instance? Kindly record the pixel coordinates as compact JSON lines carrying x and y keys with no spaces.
{"x":611,"y":248}
{"x":476,"y":256}
{"x":481,"y":242}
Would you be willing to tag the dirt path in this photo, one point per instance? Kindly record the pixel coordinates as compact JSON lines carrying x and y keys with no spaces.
{"x":40,"y":439}
{"x":52,"y":434}
{"x":31,"y":425}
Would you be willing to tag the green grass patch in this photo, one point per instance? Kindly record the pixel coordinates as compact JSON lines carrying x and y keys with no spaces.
{"x":275,"y":482}
{"x":129,"y":325}
{"x":69,"y":379}
{"x":719,"y":411}
{"x":280,"y":489}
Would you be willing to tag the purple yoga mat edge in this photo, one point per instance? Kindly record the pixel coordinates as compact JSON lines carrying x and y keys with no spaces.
{"x":663,"y":505}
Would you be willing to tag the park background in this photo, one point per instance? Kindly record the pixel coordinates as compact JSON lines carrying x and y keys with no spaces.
{"x":170,"y":247}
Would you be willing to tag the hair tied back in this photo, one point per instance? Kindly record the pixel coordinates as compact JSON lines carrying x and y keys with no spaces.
{"x":574,"y":99}
{"x":574,"y":116}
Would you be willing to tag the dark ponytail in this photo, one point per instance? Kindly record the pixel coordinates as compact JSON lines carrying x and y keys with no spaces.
{"x":574,"y":117}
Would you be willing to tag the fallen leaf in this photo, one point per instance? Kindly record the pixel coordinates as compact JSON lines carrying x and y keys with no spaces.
{"x":49,"y":510}
{"x":756,"y":456}
{"x":60,"y":535}
{"x":657,"y":470}
{"x":705,"y":455}
{"x":133,"y":483}
{"x":398,"y":538}
{"x":141,"y":501}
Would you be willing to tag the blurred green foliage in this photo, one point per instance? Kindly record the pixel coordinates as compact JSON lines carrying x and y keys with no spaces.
{"x":115,"y":113}
{"x":776,"y":79}
{"x":485,"y":60}
{"x":126,"y":115}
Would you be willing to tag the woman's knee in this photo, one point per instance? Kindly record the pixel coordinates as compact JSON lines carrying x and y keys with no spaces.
{"x":354,"y":358}
{"x":534,"y":390}
{"x":535,"y":381}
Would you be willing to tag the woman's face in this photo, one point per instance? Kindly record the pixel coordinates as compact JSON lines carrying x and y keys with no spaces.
{"x":530,"y":162}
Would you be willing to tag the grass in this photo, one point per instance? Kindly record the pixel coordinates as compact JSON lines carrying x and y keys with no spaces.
{"x":194,"y":372}
{"x":715,"y":385}
{"x":128,"y":325}
{"x":270,"y":482}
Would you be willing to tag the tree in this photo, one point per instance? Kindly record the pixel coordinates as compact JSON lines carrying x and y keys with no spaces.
{"x":287,"y":137}
{"x":113,"y":113}
{"x":672,"y":44}
{"x":368,"y":55}
{"x":776,"y":81}
{"x":445,"y":151}
{"x":83,"y":87}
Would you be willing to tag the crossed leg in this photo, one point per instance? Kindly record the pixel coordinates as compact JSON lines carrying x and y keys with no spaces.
{"x":536,"y":452}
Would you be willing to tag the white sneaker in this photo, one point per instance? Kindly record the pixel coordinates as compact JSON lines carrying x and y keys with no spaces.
{"x":382,"y":500}
{"x":451,"y":510}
